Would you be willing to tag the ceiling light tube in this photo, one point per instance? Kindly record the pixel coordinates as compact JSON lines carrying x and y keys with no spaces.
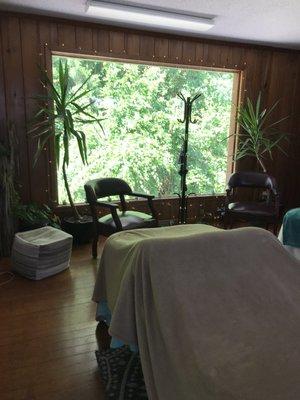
{"x":148,"y":17}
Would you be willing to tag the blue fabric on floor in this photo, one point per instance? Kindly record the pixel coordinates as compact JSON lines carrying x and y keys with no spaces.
{"x":291,"y":228}
{"x":103,"y":314}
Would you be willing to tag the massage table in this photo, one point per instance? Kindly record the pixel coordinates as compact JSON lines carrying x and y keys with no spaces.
{"x":122,"y":244}
{"x":214,"y":314}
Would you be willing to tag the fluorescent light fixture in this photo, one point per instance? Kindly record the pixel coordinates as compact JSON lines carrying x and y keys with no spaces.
{"x":147,"y":17}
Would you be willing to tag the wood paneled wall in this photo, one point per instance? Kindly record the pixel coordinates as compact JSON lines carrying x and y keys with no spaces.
{"x":28,"y":40}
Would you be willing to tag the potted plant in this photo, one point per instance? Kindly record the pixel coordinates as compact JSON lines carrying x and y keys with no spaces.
{"x":33,"y":216}
{"x":259,"y":136}
{"x":63,"y":112}
{"x":8,"y":194}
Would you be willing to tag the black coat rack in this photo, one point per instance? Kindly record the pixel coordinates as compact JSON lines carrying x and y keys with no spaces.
{"x":187,"y":119}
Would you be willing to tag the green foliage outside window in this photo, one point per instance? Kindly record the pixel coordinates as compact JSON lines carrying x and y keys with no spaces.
{"x":142,"y":137}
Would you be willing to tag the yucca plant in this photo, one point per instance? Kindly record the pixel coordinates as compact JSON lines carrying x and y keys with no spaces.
{"x":259,"y":137}
{"x":64,"y":109}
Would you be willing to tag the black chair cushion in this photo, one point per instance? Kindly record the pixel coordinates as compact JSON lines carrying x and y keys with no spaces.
{"x":254,"y":208}
{"x":129,"y":220}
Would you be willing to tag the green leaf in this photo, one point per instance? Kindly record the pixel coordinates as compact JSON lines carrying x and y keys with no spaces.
{"x":73,"y":98}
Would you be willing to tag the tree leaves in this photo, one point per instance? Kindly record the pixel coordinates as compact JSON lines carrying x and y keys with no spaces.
{"x":142,"y":135}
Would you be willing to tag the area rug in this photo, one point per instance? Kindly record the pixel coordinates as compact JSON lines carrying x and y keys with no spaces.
{"x":121,"y":373}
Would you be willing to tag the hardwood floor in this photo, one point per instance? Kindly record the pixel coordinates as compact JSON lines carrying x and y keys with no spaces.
{"x":47,"y":335}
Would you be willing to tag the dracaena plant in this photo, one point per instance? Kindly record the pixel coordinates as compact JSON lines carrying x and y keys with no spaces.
{"x":64,"y":111}
{"x":259,"y":136}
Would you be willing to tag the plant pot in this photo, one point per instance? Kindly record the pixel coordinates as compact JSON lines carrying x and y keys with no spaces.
{"x":81,"y":230}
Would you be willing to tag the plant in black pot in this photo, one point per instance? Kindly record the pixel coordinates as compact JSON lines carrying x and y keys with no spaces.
{"x":62,"y":115}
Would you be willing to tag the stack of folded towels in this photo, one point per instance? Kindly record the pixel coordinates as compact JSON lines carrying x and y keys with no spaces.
{"x":41,"y":252}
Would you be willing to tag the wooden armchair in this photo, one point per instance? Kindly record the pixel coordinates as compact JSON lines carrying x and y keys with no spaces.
{"x":265,"y":212}
{"x":116,"y":220}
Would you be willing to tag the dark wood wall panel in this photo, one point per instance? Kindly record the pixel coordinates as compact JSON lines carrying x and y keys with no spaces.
{"x":49,"y":182}
{"x":31,"y":60}
{"x":14,"y":90}
{"x":103,"y":42}
{"x":53,"y":33}
{"x":284,"y":82}
{"x":66,"y":36}
{"x":117,"y":43}
{"x":26,"y":41}
{"x":132,"y":45}
{"x":188,"y":52}
{"x":2,"y":95}
{"x":83,"y":38}
{"x":175,"y":50}
{"x":147,"y":48}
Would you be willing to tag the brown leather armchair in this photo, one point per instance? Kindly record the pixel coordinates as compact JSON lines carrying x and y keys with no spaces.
{"x":116,"y":220}
{"x":264,"y":212}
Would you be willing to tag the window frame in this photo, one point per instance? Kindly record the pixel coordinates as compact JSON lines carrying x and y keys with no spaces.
{"x":237,"y":90}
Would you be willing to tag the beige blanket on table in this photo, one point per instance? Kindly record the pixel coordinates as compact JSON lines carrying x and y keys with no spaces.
{"x":216,"y":314}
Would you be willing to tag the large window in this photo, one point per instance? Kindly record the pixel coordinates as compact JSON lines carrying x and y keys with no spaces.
{"x":142,"y":136}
